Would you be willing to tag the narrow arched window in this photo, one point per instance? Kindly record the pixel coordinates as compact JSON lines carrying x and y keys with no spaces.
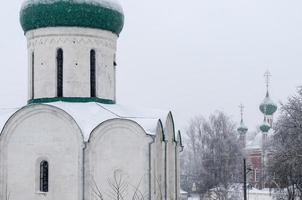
{"x":44,"y":176}
{"x":92,"y":74}
{"x":32,"y":75}
{"x":60,"y":73}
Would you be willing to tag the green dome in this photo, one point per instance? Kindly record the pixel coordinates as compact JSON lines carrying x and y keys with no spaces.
{"x":100,"y":14}
{"x":268,"y":107}
{"x":265,"y":127}
{"x":242,"y":129}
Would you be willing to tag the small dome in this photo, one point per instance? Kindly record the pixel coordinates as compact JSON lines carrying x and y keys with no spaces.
{"x":100,"y":14}
{"x":268,"y":107}
{"x":265,"y":127}
{"x":242,"y":129}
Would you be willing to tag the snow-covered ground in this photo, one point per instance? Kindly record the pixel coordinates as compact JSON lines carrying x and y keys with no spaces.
{"x":264,"y":194}
{"x":194,"y":197}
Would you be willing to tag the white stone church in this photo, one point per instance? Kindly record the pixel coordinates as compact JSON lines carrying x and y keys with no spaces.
{"x":72,"y":141}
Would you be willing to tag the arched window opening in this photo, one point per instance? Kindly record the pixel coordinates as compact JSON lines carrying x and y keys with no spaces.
{"x":32,"y":75}
{"x":44,"y":176}
{"x":60,"y":73}
{"x":92,"y":74}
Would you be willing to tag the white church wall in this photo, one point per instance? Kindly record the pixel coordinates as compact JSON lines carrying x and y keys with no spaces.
{"x":178,"y":151}
{"x":105,"y":74}
{"x":119,"y":153}
{"x":45,"y":71}
{"x":33,"y":134}
{"x":170,"y":158}
{"x":117,"y":147}
{"x":76,"y":44}
{"x":158,"y":171}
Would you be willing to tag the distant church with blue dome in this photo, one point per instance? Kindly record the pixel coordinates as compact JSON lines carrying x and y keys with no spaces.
{"x":73,"y":141}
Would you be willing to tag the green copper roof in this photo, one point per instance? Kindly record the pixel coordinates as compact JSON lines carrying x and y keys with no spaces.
{"x":265,"y":127}
{"x":242,"y":129}
{"x":99,"y":14}
{"x":268,"y":107}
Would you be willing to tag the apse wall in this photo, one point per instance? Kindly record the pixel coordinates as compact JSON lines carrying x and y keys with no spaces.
{"x":35,"y":134}
{"x":118,"y":149}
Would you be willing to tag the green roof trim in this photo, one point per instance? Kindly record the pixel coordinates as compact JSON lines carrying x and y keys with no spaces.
{"x":70,"y":13}
{"x":71,"y":100}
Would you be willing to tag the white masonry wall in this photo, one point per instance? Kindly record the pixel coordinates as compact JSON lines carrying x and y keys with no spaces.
{"x":158,"y":172}
{"x":39,"y":133}
{"x":179,"y":149}
{"x":76,"y":44}
{"x":117,"y":149}
{"x":170,"y":158}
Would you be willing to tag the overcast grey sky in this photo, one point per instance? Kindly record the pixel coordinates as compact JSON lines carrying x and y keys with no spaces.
{"x":189,"y":56}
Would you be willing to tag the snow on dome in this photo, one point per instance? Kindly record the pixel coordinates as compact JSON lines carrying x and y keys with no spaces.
{"x":268,"y":107}
{"x":111,"y":4}
{"x":242,"y":129}
{"x":265,"y":127}
{"x":99,"y":14}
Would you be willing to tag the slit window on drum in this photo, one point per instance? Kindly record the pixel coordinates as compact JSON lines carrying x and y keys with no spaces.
{"x":60,"y":73}
{"x":92,"y":74}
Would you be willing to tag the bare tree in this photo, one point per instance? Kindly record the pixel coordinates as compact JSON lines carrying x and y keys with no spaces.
{"x":285,"y":166}
{"x":212,"y":157}
{"x":159,"y":186}
{"x":137,"y":194}
{"x":220,"y":193}
{"x":96,"y":190}
{"x":119,"y":188}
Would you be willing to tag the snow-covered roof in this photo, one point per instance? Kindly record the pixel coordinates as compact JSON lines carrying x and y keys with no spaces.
{"x":89,"y":115}
{"x":5,"y":114}
{"x":194,"y":197}
{"x":256,"y":143}
{"x":182,"y":191}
